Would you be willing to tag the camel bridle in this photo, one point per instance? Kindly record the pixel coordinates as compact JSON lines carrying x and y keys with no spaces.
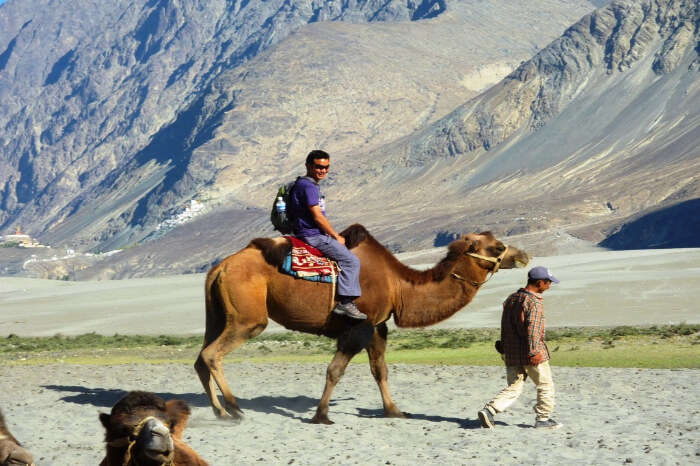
{"x":496,"y":261}
{"x":130,"y":440}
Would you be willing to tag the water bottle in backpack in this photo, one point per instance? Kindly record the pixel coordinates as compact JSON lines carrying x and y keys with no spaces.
{"x":279,"y":218}
{"x":281,"y":208}
{"x":280,"y":205}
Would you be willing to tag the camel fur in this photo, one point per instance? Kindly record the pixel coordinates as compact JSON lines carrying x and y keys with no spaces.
{"x":11,"y":451}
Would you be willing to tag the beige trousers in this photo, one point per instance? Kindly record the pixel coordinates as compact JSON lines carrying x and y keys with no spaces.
{"x":515,"y":377}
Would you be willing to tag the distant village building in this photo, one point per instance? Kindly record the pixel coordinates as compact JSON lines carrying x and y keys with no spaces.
{"x":191,"y":210}
{"x":20,"y":239}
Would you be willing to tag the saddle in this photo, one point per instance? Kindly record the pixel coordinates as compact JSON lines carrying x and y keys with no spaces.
{"x":306,"y":262}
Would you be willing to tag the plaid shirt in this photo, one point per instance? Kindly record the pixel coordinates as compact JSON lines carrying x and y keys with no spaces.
{"x":522,"y":328}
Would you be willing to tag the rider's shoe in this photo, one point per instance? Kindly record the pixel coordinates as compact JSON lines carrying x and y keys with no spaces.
{"x":349,"y":309}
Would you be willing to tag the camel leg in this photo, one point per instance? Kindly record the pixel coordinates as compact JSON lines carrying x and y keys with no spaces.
{"x":349,"y":344}
{"x":377,"y":365}
{"x":208,"y":383}
{"x":210,"y":370}
{"x":335,"y":371}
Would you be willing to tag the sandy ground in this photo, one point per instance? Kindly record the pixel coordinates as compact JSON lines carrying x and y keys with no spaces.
{"x":610,"y":416}
{"x":598,"y":288}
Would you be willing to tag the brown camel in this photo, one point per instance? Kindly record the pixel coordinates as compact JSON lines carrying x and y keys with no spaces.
{"x":246,"y":289}
{"x":142,"y":429}
{"x":11,"y":452}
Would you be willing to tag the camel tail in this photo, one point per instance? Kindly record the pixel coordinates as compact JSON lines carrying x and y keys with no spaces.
{"x":215,"y":316}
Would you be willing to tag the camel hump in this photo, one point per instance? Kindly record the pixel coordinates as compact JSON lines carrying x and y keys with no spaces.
{"x":354,"y":235}
{"x":274,"y":250}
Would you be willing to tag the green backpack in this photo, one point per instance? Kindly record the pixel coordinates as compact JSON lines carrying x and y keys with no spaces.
{"x":278,"y":216}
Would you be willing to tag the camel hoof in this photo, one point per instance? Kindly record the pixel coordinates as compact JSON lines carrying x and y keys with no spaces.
{"x":321,"y":419}
{"x":398,"y":415}
{"x":234,"y":415}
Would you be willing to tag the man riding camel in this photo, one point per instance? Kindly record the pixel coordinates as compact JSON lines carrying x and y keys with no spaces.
{"x":307,"y":210}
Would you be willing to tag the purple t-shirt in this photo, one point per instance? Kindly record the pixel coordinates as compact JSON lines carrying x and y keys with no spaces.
{"x":306,"y":193}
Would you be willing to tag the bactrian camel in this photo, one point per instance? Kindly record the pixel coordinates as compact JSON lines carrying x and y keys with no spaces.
{"x":247,"y":288}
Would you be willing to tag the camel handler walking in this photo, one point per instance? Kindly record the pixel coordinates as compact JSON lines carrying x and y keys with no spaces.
{"x":525,"y":352}
{"x":307,"y":209}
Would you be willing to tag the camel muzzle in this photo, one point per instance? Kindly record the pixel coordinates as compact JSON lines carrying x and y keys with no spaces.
{"x":156,"y":441}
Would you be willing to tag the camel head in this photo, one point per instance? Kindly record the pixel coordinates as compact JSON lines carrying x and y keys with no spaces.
{"x":141,"y":428}
{"x":12,"y":454}
{"x":487,"y":253}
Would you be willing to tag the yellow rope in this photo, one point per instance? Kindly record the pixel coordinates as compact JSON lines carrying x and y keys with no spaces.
{"x":333,"y":278}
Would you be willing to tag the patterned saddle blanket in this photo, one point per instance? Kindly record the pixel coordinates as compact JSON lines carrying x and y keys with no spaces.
{"x":308,"y":263}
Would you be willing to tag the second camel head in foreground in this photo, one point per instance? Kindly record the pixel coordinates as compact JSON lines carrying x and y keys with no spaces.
{"x":143,"y":429}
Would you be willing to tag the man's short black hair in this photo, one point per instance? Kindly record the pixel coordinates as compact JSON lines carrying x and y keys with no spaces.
{"x":317,"y":154}
{"x":533,"y":281}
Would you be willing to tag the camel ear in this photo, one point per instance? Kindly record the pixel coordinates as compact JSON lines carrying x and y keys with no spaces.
{"x":179,"y":414}
{"x":472,"y":245}
{"x":104,"y":419}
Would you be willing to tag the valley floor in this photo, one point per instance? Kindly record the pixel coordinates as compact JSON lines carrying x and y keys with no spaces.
{"x":605,"y":288}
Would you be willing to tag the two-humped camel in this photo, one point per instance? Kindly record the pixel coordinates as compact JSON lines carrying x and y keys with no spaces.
{"x":247,"y":288}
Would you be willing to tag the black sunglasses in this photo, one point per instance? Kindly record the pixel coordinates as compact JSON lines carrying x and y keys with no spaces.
{"x":322,"y":167}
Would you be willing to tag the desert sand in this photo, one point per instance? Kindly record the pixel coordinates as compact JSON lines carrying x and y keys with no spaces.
{"x":610,"y":416}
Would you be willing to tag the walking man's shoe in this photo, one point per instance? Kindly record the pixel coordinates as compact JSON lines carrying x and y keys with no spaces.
{"x":548,"y":424}
{"x":349,"y":309}
{"x":486,"y":418}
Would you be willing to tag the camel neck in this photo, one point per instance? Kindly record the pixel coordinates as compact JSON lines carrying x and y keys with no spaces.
{"x":420,"y":305}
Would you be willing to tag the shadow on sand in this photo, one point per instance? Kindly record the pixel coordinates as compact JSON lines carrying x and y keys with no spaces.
{"x":295,"y":407}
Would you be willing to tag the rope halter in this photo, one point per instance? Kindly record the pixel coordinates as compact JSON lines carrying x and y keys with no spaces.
{"x":496,"y":261}
{"x":130,"y":440}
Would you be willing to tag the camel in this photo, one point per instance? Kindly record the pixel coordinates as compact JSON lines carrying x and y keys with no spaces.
{"x":246,"y":289}
{"x":142,"y":429}
{"x":11,"y":452}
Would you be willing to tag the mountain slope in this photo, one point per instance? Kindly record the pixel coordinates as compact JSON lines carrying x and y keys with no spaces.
{"x":601,"y":124}
{"x":82,"y":94}
{"x":111,"y":122}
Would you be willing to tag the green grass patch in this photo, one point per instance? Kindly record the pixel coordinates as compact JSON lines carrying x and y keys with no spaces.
{"x":669,"y":346}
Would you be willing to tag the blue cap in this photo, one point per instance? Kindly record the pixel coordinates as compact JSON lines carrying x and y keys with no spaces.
{"x":541,"y":273}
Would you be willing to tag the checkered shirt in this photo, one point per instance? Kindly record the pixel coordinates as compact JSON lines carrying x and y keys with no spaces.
{"x":522,"y":328}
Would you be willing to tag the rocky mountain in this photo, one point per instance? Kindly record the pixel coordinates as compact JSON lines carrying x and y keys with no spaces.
{"x":108,"y":125}
{"x":602,"y":124}
{"x":85,"y":98}
{"x":113,"y":119}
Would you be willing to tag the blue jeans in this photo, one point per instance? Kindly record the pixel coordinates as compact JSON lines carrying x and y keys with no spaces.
{"x":349,"y":277}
